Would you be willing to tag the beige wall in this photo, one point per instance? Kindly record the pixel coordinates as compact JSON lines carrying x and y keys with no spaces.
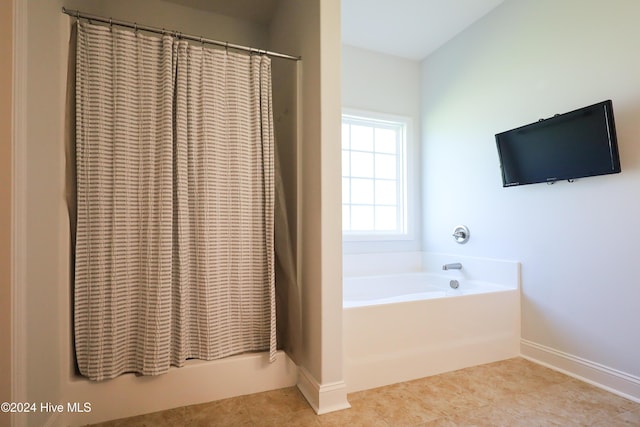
{"x":301,"y":20}
{"x":331,"y":191}
{"x":312,"y":30}
{"x":6,"y":15}
{"x":373,"y":81}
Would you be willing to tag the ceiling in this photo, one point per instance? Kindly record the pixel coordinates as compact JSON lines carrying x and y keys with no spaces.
{"x":408,"y":28}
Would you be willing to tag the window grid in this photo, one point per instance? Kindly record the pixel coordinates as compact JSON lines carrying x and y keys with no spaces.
{"x":373,"y":174}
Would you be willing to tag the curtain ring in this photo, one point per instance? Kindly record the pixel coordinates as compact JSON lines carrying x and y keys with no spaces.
{"x":110,"y":22}
{"x":226,"y":47}
{"x":77,"y":15}
{"x":201,"y":41}
{"x":135,"y":27}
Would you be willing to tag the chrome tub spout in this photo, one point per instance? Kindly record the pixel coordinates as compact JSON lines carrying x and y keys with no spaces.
{"x":454,"y":266}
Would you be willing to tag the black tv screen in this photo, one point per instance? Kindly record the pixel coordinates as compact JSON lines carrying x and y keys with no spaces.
{"x":567,"y":146}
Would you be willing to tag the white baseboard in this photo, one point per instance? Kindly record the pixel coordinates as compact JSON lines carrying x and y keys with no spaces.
{"x":323,"y":398}
{"x":612,"y":380}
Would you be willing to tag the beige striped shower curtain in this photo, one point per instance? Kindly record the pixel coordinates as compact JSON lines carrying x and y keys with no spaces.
{"x":174,"y":255}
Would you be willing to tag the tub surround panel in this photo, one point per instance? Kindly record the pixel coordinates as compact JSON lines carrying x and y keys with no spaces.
{"x":502,"y":272}
{"x":381,"y":263}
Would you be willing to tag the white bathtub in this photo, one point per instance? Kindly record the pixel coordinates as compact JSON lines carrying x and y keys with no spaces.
{"x":406,"y":326}
{"x":372,"y":290}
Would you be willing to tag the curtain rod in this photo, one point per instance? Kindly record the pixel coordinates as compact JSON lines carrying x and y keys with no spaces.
{"x":77,"y":14}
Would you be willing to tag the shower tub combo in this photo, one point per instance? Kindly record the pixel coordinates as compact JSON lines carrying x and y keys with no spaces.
{"x":403,"y":326}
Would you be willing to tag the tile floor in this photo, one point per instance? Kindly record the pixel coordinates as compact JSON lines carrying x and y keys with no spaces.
{"x":513,"y":392}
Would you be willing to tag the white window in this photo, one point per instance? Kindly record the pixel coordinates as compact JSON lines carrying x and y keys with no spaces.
{"x":374,"y":177}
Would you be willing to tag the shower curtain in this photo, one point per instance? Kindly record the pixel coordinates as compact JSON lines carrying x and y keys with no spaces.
{"x":174,"y":255}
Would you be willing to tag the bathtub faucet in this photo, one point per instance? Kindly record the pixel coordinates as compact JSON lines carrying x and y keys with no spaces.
{"x":454,"y":266}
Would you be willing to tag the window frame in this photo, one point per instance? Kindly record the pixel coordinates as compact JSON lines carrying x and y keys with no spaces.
{"x":407,"y":173}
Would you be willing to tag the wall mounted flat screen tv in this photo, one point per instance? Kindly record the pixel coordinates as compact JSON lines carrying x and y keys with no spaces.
{"x":573,"y":145}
